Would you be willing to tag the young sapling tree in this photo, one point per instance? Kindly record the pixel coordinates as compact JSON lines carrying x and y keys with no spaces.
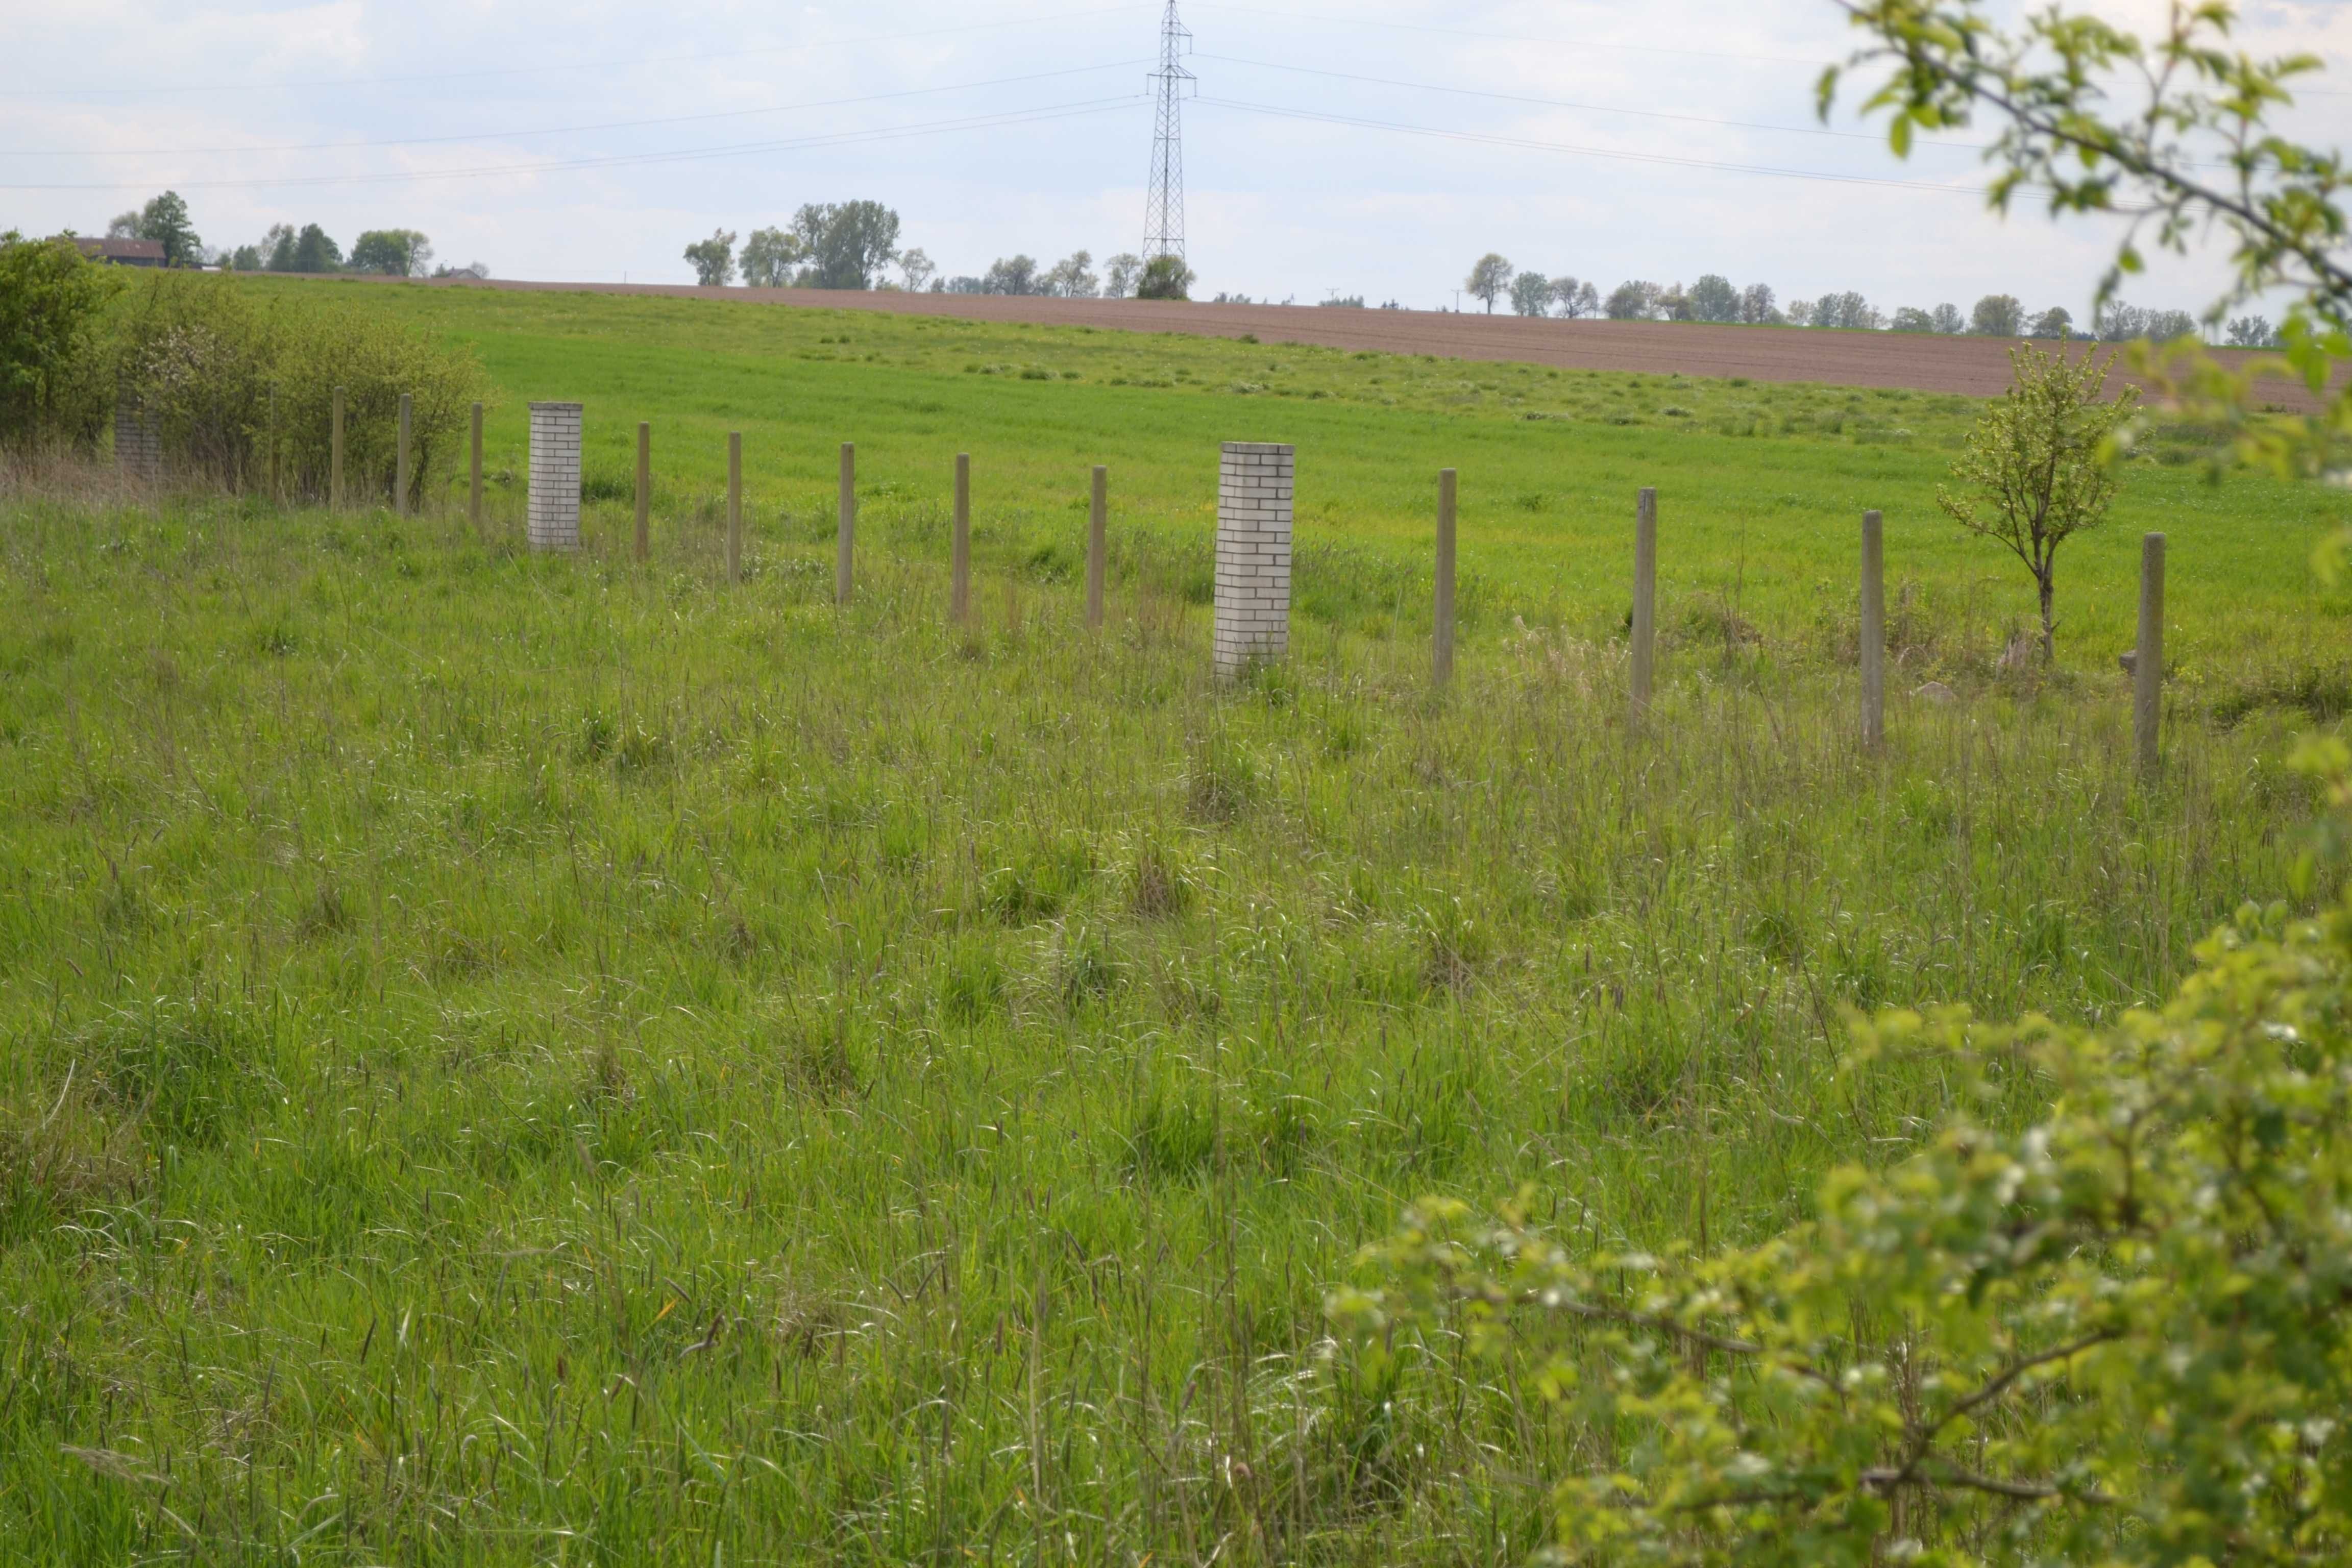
{"x":2035,"y":466}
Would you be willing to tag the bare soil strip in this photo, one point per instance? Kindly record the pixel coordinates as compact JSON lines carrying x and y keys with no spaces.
{"x":1977,"y":367}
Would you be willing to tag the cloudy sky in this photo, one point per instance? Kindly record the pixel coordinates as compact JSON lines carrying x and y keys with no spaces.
{"x":1375,"y":151}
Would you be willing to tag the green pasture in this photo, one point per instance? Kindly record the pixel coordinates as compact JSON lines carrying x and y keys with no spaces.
{"x":556,"y":1060}
{"x":1760,"y":486}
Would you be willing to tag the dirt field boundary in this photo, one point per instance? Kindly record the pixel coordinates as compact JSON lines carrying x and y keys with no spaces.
{"x":1976,"y":367}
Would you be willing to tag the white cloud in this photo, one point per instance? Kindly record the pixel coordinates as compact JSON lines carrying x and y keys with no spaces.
{"x":1277,"y":206}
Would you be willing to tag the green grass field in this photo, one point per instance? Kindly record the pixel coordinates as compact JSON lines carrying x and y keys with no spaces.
{"x":516,"y":1060}
{"x":1760,"y":486}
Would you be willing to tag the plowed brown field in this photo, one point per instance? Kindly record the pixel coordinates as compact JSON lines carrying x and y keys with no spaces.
{"x":1975,"y":367}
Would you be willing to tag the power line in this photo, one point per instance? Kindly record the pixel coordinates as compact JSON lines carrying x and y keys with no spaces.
{"x":1593,"y":152}
{"x":633,"y":61}
{"x":558,"y":130}
{"x":1331,"y":20}
{"x":1870,"y":136}
{"x":842,"y":138}
{"x":1326,"y":19}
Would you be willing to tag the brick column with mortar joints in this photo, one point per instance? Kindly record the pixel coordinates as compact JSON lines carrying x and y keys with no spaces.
{"x":1255,"y":480}
{"x":554,"y":509}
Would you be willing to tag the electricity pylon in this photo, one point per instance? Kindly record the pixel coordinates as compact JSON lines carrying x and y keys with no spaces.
{"x":1163,"y":210}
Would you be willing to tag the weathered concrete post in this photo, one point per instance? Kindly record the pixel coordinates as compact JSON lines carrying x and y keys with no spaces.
{"x":554,"y":503}
{"x":2147,"y":660}
{"x":1254,"y":485}
{"x":138,"y":446}
{"x":1873,"y":631}
{"x":644,"y":488}
{"x":400,"y":462}
{"x":473,"y":475}
{"x":1441,"y":636}
{"x":959,"y":555}
{"x":1098,"y":543}
{"x":1646,"y":597}
{"x":845,"y":545}
{"x":734,"y":506}
{"x":335,"y":455}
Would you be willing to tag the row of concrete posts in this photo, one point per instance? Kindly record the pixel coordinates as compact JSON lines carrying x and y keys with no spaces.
{"x":1255,"y":487}
{"x":1254,"y":484}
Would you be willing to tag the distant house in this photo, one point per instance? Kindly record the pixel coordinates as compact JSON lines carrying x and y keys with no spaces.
{"x":122,"y":252}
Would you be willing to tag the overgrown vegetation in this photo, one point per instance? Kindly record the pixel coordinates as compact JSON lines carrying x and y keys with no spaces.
{"x":2097,"y":1315}
{"x":2113,"y":1334}
{"x":52,"y":388}
{"x":503,"y":1051}
{"x":241,"y":386}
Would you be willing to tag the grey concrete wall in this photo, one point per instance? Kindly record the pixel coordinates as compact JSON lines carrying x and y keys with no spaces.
{"x":555,"y":513}
{"x":1254,"y":495}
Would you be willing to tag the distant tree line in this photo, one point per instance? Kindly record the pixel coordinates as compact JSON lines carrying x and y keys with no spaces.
{"x":827,"y":245}
{"x":385,"y":252}
{"x":1124,"y":276}
{"x":1715,"y":297}
{"x":391,"y":252}
{"x":395,"y":252}
{"x":855,"y":244}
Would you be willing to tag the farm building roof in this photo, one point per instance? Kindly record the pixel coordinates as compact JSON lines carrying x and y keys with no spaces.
{"x":126,"y":252}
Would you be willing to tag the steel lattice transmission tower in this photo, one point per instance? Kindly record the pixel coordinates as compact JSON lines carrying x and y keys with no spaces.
{"x":1163,"y":210}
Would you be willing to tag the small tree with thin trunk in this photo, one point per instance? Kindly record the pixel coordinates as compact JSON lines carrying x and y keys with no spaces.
{"x":2034,"y":462}
{"x":713,"y":259}
{"x":1489,"y":281}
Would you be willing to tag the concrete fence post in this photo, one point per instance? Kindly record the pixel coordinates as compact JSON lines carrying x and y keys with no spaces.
{"x":734,"y":506}
{"x":845,"y":541}
{"x":1256,"y":480}
{"x":474,"y":474}
{"x":554,"y":503}
{"x":138,"y":445}
{"x":1441,"y":635}
{"x":400,"y":460}
{"x":644,"y":488}
{"x":335,"y":454}
{"x":960,"y":555}
{"x":1646,"y":597}
{"x":2148,"y":660}
{"x":276,"y":495}
{"x":1873,"y":631}
{"x":1098,"y":543}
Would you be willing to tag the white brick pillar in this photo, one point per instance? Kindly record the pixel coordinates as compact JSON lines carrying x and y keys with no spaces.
{"x":555,"y":514}
{"x":1254,"y":488}
{"x":138,"y":446}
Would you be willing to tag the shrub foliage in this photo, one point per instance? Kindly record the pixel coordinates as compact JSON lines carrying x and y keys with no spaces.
{"x":2115,"y":1336}
{"x":230,"y":378}
{"x":51,"y":302}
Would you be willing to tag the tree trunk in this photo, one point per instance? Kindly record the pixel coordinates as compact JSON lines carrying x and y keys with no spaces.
{"x":2049,"y":625}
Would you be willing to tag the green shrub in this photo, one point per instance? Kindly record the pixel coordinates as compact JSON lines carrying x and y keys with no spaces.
{"x":52,"y":385}
{"x":2115,"y":1336}
{"x":226,"y":375}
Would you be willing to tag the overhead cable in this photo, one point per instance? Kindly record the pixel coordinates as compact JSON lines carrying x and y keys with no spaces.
{"x":1611,"y":152}
{"x":1331,"y":20}
{"x":559,"y":130}
{"x":630,"y":61}
{"x":1870,"y":136}
{"x":733,"y":150}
